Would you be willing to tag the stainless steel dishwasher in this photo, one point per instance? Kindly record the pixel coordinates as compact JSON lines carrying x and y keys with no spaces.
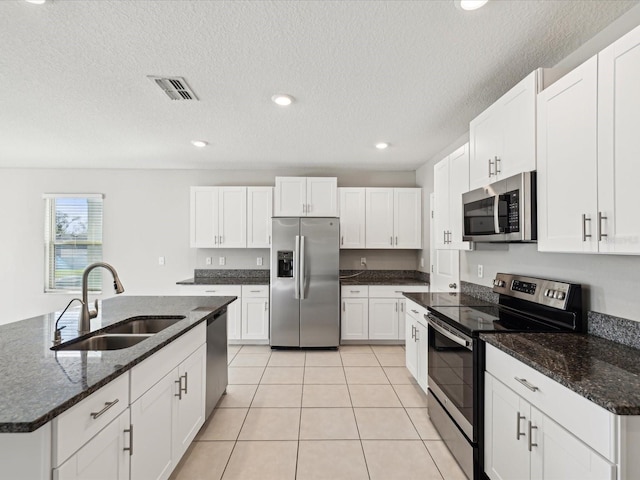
{"x":217,"y":373}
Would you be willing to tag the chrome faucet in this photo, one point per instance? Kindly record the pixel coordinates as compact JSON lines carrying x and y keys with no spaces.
{"x":84,"y":324}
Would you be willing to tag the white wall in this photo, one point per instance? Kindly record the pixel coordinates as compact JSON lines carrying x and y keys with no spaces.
{"x":146,"y":215}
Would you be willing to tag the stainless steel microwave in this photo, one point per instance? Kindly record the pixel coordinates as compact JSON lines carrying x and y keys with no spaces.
{"x":504,"y":211}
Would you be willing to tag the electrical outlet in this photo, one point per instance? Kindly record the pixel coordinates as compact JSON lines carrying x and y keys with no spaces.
{"x":207,"y":261}
{"x":480,"y":271}
{"x":221,"y":260}
{"x":259,"y":261}
{"x":160,"y":260}
{"x":363,"y":261}
{"x":421,"y":262}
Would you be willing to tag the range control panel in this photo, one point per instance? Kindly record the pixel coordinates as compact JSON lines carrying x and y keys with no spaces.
{"x":545,"y":292}
{"x":524,"y":287}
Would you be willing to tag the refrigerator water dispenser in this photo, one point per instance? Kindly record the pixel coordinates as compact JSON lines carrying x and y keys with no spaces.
{"x":285,"y":264}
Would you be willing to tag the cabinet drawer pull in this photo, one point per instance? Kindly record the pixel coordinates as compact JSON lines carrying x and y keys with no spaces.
{"x":130,"y":447}
{"x":254,"y":291}
{"x":354,"y":291}
{"x":524,"y":382}
{"x":518,"y":432}
{"x":531,"y":428}
{"x":210,"y":291}
{"x":107,"y":406}
{"x":415,"y":311}
{"x":398,"y":291}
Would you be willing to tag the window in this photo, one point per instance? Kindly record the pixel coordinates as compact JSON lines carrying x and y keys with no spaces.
{"x":73,"y":240}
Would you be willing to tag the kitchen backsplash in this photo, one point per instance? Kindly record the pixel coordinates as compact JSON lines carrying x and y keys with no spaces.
{"x":479,"y":291}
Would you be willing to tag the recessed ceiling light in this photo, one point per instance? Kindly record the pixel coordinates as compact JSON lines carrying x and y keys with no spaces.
{"x":382,"y":145}
{"x":282,"y":99}
{"x":199,"y":143}
{"x":36,"y":2}
{"x":470,"y":4}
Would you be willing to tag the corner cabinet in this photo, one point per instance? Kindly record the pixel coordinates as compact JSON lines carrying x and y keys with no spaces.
{"x":306,"y":197}
{"x":393,"y":218}
{"x":450,"y":181}
{"x":588,"y":127}
{"x":218,"y":217}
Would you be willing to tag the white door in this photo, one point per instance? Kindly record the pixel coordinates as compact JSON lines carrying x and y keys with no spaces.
{"x":355,"y":319}
{"x":322,"y":197}
{"x":445,"y":264}
{"x":458,"y":184}
{"x":189,"y":405}
{"x":204,"y":217}
{"x":232,"y":217}
{"x":485,"y":132}
{"x":519,"y":128}
{"x":151,"y":417}
{"x":379,"y":217}
{"x":352,"y":217}
{"x":411,"y":347}
{"x":567,"y":162}
{"x":103,"y":458}
{"x":290,"y":197}
{"x":407,"y":217}
{"x":383,"y":318}
{"x":441,"y":207}
{"x":259,"y":213}
{"x":558,"y":455}
{"x":506,"y":434}
{"x":255,"y":318}
{"x":421,"y":355}
{"x":618,"y":145}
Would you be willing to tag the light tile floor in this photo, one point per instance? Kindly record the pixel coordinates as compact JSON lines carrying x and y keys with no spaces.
{"x":350,"y":414}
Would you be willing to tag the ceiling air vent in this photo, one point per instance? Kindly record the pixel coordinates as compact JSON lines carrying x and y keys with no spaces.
{"x":175,"y":88}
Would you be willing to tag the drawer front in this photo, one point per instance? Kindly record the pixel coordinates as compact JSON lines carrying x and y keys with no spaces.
{"x":416,"y":312}
{"x":149,"y":372}
{"x":591,"y":423}
{"x":394,"y":291}
{"x":211,"y":290}
{"x":75,"y":427}
{"x":354,"y":291}
{"x":255,"y":291}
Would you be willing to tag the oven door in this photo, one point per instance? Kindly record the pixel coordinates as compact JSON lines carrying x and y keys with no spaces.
{"x":450,"y":371}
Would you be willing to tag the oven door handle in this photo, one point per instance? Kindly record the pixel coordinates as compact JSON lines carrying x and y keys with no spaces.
{"x":449,"y":335}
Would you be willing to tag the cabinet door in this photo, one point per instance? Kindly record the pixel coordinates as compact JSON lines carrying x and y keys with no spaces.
{"x":383,"y":318}
{"x":188,"y":411}
{"x":518,"y":111}
{"x":421,"y":341}
{"x":355,"y":319}
{"x":255,"y":318}
{"x":290,"y":197}
{"x":204,"y":217}
{"x":352,"y":217}
{"x":322,"y":197}
{"x":485,"y":133}
{"x":557,"y":455}
{"x":407,"y":217}
{"x":232,"y":217}
{"x":379,"y":216}
{"x":151,"y":417}
{"x":506,"y":455}
{"x":402,"y":318}
{"x":441,"y":210}
{"x":234,"y":320}
{"x":618,"y":145}
{"x":567,"y":162}
{"x":458,"y":184}
{"x":259,"y":213}
{"x":411,"y":346}
{"x":103,"y":458}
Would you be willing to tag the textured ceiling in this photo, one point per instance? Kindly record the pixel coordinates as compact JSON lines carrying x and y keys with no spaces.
{"x":74,"y":92}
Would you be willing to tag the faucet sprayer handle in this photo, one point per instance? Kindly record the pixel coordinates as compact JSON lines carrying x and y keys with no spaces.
{"x":94,"y":313}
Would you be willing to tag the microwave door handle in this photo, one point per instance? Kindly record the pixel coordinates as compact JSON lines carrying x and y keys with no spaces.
{"x":496,"y":219}
{"x":296,"y":270}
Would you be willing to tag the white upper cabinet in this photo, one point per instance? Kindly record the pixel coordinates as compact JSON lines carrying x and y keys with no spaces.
{"x":352,"y":217}
{"x":503,"y":137}
{"x":218,"y":217}
{"x":259,"y":213}
{"x":379,"y":214}
{"x":451,"y":180}
{"x":588,"y":154}
{"x":393,"y":217}
{"x":306,"y":197}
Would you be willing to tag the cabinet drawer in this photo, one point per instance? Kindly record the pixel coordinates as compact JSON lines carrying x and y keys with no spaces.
{"x":354,"y":291}
{"x":212,"y":290}
{"x":591,"y":423}
{"x":416,"y":312}
{"x":255,"y":291}
{"x":75,"y":427}
{"x":146,"y":374}
{"x":394,"y":291}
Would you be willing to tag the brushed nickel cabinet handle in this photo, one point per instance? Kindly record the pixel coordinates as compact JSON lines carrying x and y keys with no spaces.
{"x":396,"y":240}
{"x":524,"y":382}
{"x":266,"y":306}
{"x":130,"y":447}
{"x":531,"y":428}
{"x":391,"y":240}
{"x":344,"y":308}
{"x":497,"y":160}
{"x":179,"y":394}
{"x":342,"y":240}
{"x":413,"y":331}
{"x":490,"y":163}
{"x":584,"y":227}
{"x":600,"y":234}
{"x":107,"y":406}
{"x":186,"y":383}
{"x":518,"y":432}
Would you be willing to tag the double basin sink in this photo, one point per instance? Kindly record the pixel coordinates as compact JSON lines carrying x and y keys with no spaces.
{"x":124,"y":334}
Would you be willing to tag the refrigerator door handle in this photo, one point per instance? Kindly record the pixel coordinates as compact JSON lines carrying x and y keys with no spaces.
{"x":296,"y":269}
{"x":303,"y":278}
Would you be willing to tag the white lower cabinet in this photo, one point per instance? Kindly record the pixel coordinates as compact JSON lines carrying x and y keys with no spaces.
{"x":255,"y":313}
{"x":105,"y":457}
{"x":416,"y":343}
{"x":383,"y":318}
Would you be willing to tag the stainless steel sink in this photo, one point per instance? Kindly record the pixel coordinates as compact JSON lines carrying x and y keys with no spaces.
{"x":144,"y":325}
{"x":104,"y":342}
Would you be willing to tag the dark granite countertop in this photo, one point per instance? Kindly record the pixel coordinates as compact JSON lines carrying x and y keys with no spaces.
{"x":602,"y":371}
{"x":383,"y":277}
{"x":389,"y":281}
{"x":39,"y":384}
{"x":225,"y":281}
{"x":446,"y":299}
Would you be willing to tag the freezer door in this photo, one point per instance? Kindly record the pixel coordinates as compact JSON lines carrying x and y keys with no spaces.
{"x":319,"y":289}
{"x":285,"y":308}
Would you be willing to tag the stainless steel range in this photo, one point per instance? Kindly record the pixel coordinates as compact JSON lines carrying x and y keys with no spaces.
{"x":456,"y":355}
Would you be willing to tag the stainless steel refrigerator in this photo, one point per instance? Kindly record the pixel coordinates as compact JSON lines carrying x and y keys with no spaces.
{"x":305,"y":290}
